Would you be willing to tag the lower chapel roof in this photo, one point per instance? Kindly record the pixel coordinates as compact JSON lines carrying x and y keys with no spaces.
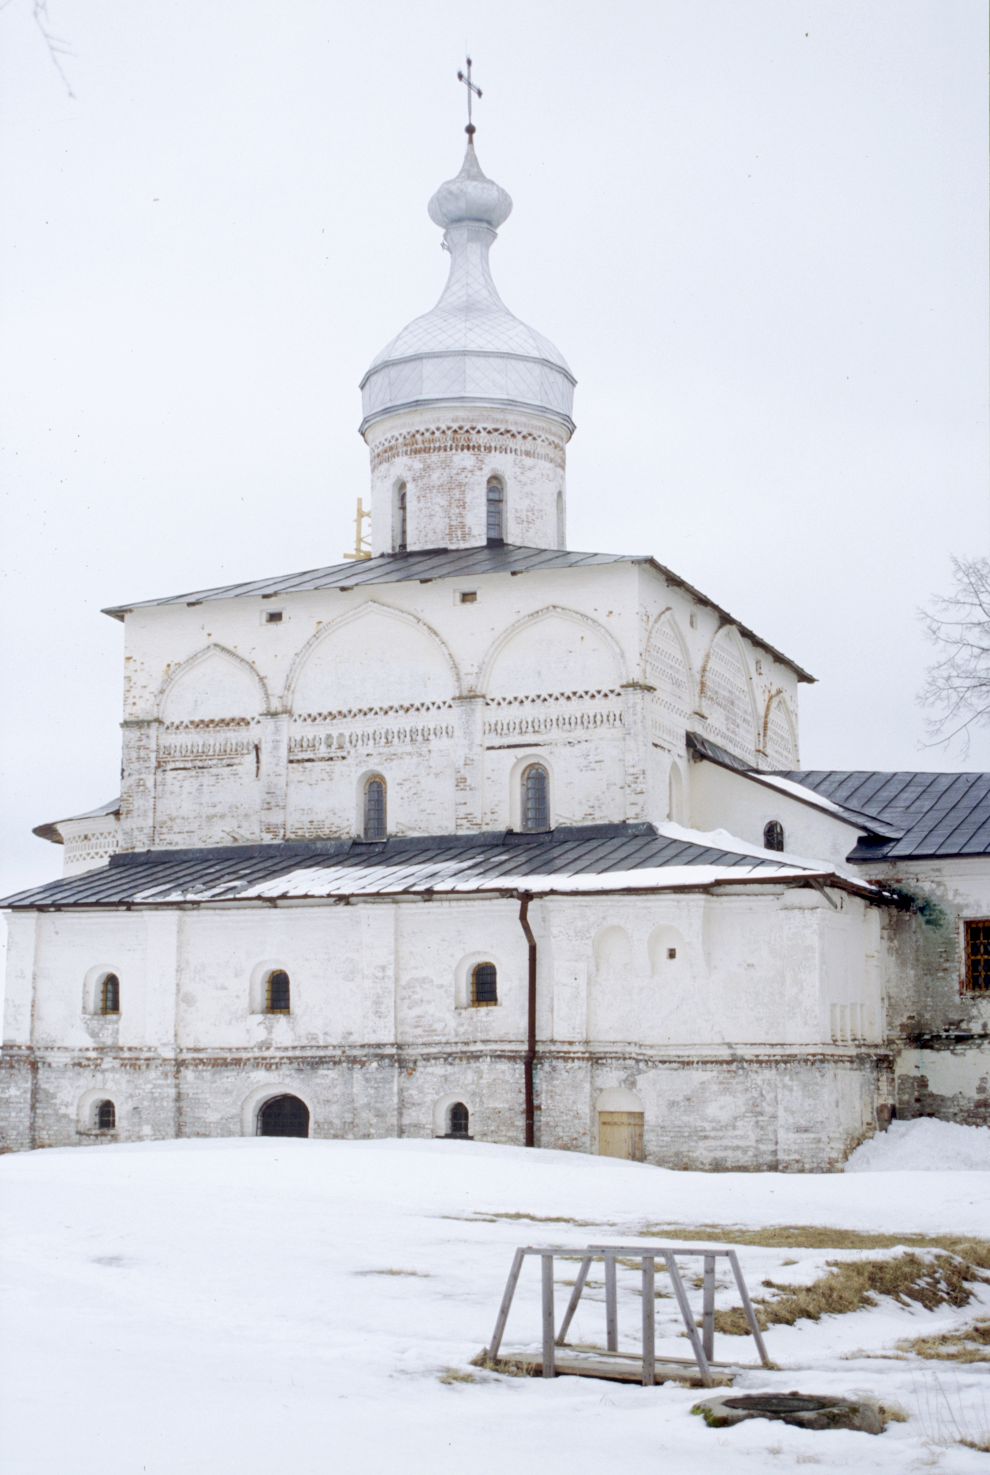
{"x":624,"y":857}
{"x":425,"y":565}
{"x":900,"y":816}
{"x":930,"y":814}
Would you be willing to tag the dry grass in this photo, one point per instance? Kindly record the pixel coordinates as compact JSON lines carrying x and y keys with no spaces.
{"x":419,"y":1274}
{"x":970,"y":1344}
{"x":456,"y":1375}
{"x":823,"y":1237}
{"x":490,"y":1217}
{"x":852,"y":1285}
{"x":496,"y":1365}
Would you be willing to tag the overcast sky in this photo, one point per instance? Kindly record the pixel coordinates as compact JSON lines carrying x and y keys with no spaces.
{"x":755,"y":228}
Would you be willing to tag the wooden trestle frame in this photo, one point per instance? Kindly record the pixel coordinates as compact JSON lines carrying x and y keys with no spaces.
{"x":702,"y":1346}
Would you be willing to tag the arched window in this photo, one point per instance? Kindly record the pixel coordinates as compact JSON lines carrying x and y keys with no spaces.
{"x":560,"y":519}
{"x":484,"y":984}
{"x":773,"y":835}
{"x":495,"y":511}
{"x":374,"y":825}
{"x":106,"y":1116}
{"x":460,"y":1121}
{"x":535,"y":798}
{"x":401,"y":518}
{"x":108,"y":999}
{"x":278,"y":993}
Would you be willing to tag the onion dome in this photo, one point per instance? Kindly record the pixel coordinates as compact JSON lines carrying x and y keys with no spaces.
{"x":469,"y":349}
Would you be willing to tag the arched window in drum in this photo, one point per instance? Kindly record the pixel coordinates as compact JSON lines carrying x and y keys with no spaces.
{"x":535,"y":798}
{"x":495,"y":511}
{"x":375,"y":818}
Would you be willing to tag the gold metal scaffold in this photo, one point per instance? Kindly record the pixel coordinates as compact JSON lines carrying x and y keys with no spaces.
{"x":362,"y":548}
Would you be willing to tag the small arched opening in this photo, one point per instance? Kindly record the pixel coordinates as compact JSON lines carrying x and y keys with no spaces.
{"x":484,"y":985}
{"x":108,"y":995}
{"x":401,"y":517}
{"x":773,"y":835}
{"x":458,"y":1120}
{"x":283,"y":1116}
{"x":278,"y":992}
{"x":495,"y":511}
{"x":105,"y":1116}
{"x":535,"y":807}
{"x":374,"y":817}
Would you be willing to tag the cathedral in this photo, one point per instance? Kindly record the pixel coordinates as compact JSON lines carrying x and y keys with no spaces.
{"x":475,"y":836}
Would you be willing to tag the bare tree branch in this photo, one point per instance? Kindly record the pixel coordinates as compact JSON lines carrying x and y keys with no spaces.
{"x":55,"y":45}
{"x":957,"y":686}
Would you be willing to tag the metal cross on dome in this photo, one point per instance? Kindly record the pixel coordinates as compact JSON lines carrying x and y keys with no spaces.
{"x":465,"y":77}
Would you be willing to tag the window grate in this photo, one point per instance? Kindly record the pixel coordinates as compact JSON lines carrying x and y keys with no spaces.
{"x":977,"y":957}
{"x":110,"y":994}
{"x":278,"y":993}
{"x":460,"y":1121}
{"x":535,"y":798}
{"x":374,"y":810}
{"x":484,"y":984}
{"x":495,"y":506}
{"x":106,"y":1116}
{"x":773,"y":835}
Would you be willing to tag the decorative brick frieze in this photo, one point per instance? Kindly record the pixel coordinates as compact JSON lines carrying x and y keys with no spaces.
{"x":478,"y":440}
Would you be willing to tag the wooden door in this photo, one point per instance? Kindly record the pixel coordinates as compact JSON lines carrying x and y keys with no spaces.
{"x":620,"y":1134}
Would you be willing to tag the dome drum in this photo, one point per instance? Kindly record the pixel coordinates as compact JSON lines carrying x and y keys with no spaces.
{"x":432,"y":465}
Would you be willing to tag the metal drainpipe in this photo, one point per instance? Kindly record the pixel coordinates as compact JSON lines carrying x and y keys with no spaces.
{"x":529,"y":1059}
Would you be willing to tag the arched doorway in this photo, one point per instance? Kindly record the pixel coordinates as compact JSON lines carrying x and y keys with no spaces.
{"x":284,"y":1116}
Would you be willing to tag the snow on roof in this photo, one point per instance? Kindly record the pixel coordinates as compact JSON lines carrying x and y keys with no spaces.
{"x":50,"y":829}
{"x":571,"y":858}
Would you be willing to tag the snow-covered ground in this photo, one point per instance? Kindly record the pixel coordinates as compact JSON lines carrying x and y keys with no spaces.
{"x":925,"y":1145}
{"x":253,"y":1306}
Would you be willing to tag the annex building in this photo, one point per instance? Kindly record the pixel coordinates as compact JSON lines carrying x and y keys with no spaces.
{"x":480,"y":836}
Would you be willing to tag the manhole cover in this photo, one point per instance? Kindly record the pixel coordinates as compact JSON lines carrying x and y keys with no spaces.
{"x":801,"y":1409}
{"x":779,"y":1403}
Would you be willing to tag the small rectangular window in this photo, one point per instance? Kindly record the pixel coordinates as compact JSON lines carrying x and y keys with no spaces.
{"x":273,"y":617}
{"x":977,"y":941}
{"x":468,"y":596}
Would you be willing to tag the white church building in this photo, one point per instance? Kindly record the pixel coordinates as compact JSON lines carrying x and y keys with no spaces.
{"x":479,"y":836}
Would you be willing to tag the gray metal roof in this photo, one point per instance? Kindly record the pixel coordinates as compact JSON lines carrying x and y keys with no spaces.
{"x":874,"y":824}
{"x":935,"y":814}
{"x":442,"y":863}
{"x":425,"y":565}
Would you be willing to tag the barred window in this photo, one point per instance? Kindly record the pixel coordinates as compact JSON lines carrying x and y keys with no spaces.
{"x":460,"y":1120}
{"x":977,"y":957}
{"x":109,"y":996}
{"x":773,"y":835}
{"x":535,"y":798}
{"x":374,"y":809}
{"x":401,"y":518}
{"x":484,"y":984}
{"x":495,"y":508}
{"x":106,"y":1116}
{"x":278,"y":993}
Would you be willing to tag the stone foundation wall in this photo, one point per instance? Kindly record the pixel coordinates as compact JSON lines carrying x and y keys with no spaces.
{"x":765,"y":1112}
